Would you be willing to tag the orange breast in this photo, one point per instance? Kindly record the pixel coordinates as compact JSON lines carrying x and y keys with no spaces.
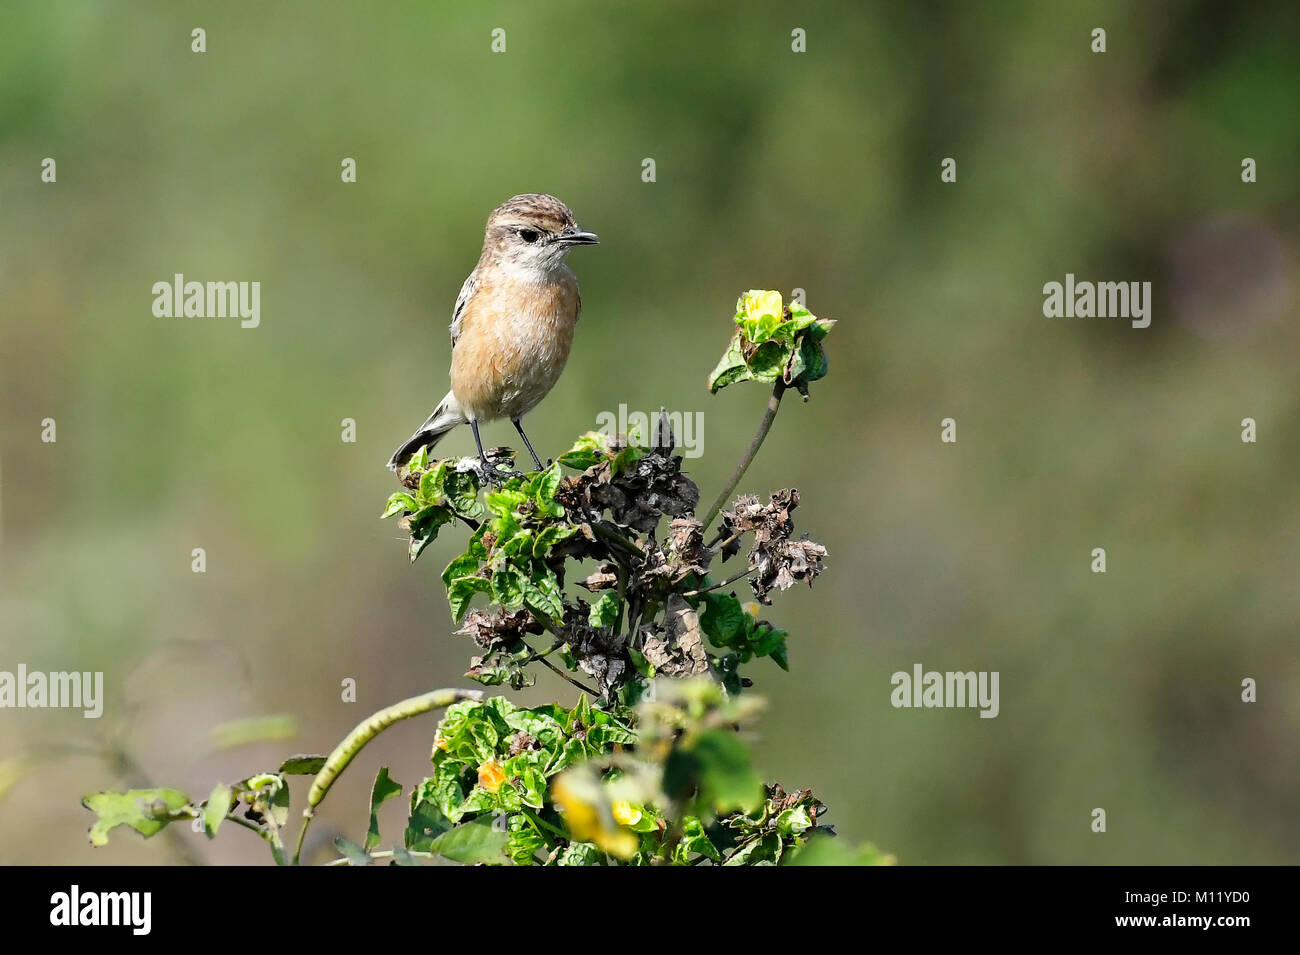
{"x":514,"y":340}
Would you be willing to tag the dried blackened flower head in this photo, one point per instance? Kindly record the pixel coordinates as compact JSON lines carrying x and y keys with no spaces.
{"x":775,"y":560}
{"x":651,"y":487}
{"x":491,"y":629}
{"x":780,"y":563}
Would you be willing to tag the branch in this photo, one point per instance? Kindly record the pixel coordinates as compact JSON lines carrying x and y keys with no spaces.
{"x":726,"y":583}
{"x":773,"y":406}
{"x":594,"y":694}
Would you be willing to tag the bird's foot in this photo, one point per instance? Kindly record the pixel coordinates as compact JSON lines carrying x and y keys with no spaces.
{"x":494,"y":467}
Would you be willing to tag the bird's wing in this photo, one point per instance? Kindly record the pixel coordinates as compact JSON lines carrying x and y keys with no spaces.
{"x":457,"y":313}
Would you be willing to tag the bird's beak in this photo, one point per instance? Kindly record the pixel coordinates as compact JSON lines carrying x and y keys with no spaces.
{"x":576,"y":236}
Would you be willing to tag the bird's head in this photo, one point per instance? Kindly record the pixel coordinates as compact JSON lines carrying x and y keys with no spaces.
{"x":533,"y":232}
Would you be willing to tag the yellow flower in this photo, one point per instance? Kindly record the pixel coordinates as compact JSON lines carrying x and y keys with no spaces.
{"x":589,"y":817}
{"x":625,"y":813}
{"x":491,"y":775}
{"x":758,"y":302}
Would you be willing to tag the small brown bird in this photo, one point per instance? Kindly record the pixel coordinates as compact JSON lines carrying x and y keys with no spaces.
{"x":513,"y":323}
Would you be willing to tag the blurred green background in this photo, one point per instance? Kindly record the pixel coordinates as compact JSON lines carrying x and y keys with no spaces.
{"x":774,"y":169}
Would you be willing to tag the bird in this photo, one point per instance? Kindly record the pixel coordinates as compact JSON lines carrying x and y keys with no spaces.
{"x":512,"y":325}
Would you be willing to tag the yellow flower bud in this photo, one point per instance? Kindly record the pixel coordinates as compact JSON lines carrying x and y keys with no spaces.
{"x":491,"y":775}
{"x":625,"y":813}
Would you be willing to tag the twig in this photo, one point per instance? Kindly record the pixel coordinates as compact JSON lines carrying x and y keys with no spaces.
{"x":609,"y":535}
{"x":384,"y":854}
{"x":773,"y":406}
{"x":725,"y":583}
{"x":560,"y":673}
{"x":539,"y":821}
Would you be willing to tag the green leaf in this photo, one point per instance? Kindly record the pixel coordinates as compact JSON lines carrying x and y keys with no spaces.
{"x":352,"y":852}
{"x":426,"y":821}
{"x":731,"y":368}
{"x":399,"y":501}
{"x":424,"y":527}
{"x":303,"y":765}
{"x":214,"y":811}
{"x":472,"y":842}
{"x":765,"y":850}
{"x":384,"y":789}
{"x":586,"y":452}
{"x":794,"y":821}
{"x":548,"y":482}
{"x":544,"y":595}
{"x":767,"y":362}
{"x":508,"y":588}
{"x":625,"y":458}
{"x":461,"y":491}
{"x":718,"y":764}
{"x":419,"y":461}
{"x":694,"y":841}
{"x":579,"y":853}
{"x":534,"y":783}
{"x":146,"y":811}
{"x":476,"y":548}
{"x":722,"y":619}
{"x":833,"y":851}
{"x":447,"y":790}
{"x":549,"y":537}
{"x":462,"y":590}
{"x":606,"y":610}
{"x":504,"y":502}
{"x":466,"y":565}
{"x":643,"y":666}
{"x":525,"y":840}
{"x":254,"y":729}
{"x":431,"y":484}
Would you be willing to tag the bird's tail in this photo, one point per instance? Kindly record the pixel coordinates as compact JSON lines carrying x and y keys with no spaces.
{"x":445,"y":417}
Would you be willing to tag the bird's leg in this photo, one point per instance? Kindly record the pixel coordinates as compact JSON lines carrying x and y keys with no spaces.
{"x":527,"y":444}
{"x":482,"y":458}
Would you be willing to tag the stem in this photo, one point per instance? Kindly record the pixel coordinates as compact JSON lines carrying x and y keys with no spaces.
{"x":362,"y":734}
{"x":546,"y":622}
{"x":725,"y":583}
{"x":539,"y":821}
{"x":384,"y":854}
{"x":613,"y":537}
{"x":622,"y":601}
{"x":773,"y":406}
{"x":595,"y":695}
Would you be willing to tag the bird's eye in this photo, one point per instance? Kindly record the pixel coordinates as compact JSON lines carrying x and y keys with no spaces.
{"x":529,"y":235}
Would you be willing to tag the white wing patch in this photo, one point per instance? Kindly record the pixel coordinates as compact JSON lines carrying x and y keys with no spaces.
{"x":457,"y":313}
